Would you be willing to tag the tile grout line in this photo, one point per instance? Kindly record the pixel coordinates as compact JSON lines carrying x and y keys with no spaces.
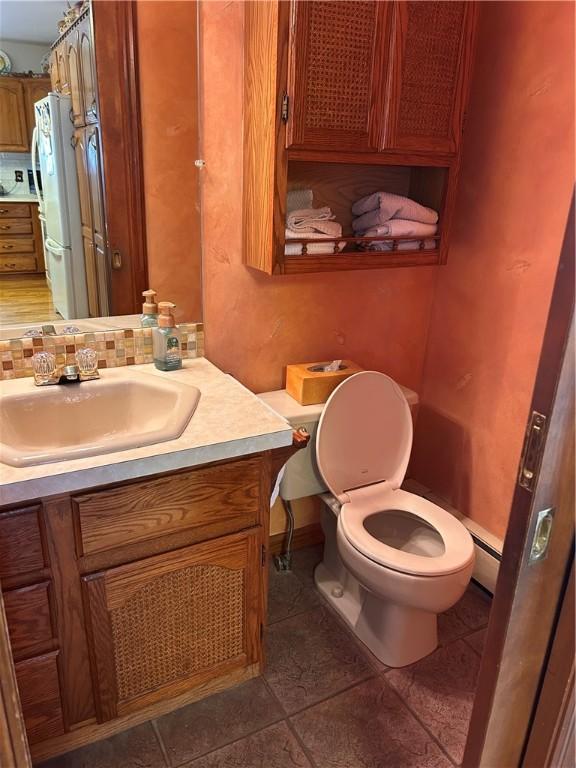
{"x":161,"y":744}
{"x":422,"y":725}
{"x":303,"y":747}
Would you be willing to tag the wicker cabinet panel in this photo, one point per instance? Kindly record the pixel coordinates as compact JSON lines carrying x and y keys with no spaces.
{"x":338,"y":62}
{"x":432,"y":51}
{"x":162,"y":625}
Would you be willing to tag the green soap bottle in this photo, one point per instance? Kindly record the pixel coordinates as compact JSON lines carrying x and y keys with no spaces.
{"x":166,"y":344}
{"x":149,"y":316}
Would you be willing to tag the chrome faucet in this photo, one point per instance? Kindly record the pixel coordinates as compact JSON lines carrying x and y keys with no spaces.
{"x":46,"y":372}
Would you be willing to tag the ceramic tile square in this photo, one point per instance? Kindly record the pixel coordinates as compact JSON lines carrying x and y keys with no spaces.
{"x":367,"y":727}
{"x":440,"y":691}
{"x":275,"y":747}
{"x":477,"y":640}
{"x":311,"y":657}
{"x":136,"y":748}
{"x":218,"y":720}
{"x":473,"y":608}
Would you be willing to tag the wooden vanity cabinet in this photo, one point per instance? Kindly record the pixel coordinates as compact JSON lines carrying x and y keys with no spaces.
{"x":127,"y":601}
{"x":365,"y":86}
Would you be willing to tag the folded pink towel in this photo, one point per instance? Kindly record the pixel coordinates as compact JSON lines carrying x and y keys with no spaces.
{"x":379,"y":207}
{"x":402,"y":228}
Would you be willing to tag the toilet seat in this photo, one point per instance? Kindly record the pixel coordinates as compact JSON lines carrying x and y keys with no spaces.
{"x":363,"y":446}
{"x":458,"y":545}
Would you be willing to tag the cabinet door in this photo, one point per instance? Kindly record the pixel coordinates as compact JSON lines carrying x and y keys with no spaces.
{"x":338,"y":66}
{"x":160,"y":626}
{"x":74,"y":73}
{"x":95,"y":184}
{"x":88,"y":74}
{"x":34,"y":90}
{"x":63,"y":72}
{"x":431,"y":69}
{"x":13,"y":136}
{"x":54,"y":73}
{"x":81,"y":150}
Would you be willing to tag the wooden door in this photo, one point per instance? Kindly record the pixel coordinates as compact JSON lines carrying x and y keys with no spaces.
{"x":433,"y":51}
{"x":81,"y":150}
{"x":13,"y":136}
{"x":75,"y":76}
{"x":338,"y":64}
{"x":538,"y":549}
{"x":34,"y":90}
{"x":159,"y":626}
{"x":88,"y":72}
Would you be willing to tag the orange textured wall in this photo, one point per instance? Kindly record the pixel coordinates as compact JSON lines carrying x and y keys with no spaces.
{"x":169,"y":95}
{"x":492,"y":298}
{"x":255,"y":324}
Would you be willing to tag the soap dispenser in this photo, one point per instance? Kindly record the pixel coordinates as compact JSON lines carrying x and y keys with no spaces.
{"x":149,"y":316}
{"x":166,"y":346}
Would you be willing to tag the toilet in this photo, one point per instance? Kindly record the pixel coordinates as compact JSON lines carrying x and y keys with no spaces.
{"x":393,"y":560}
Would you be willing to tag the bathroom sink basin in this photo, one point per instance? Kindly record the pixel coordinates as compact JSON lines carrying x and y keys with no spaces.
{"x":121,"y":410}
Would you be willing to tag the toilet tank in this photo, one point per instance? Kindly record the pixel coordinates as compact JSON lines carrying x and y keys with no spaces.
{"x":302,"y":476}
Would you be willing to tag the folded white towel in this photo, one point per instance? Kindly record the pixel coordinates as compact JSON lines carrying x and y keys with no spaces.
{"x":318,"y":249}
{"x":381,"y":206}
{"x":302,"y":216}
{"x":299,"y":198}
{"x":402,"y":245}
{"x":402,"y":228}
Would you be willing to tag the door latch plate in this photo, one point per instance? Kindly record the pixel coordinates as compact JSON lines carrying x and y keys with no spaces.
{"x":532,"y":453}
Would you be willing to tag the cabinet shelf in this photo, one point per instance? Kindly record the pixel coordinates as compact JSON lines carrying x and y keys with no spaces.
{"x":349,"y":260}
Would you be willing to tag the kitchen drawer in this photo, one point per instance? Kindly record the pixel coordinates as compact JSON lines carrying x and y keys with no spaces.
{"x":20,"y":542}
{"x":29,"y":619}
{"x":15,"y":227}
{"x":18,"y":262}
{"x":39,"y":689}
{"x":14,"y":210}
{"x":16,"y":245}
{"x":207,"y":502}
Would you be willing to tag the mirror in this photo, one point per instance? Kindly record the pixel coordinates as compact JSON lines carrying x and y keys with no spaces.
{"x":98,"y":188}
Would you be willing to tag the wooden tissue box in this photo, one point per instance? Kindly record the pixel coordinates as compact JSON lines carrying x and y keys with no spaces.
{"x":309,"y":386}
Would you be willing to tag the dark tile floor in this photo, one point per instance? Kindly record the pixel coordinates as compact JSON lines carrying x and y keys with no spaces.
{"x":324,"y":701}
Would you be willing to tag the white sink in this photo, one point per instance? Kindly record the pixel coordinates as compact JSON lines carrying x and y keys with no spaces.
{"x":121,"y":410}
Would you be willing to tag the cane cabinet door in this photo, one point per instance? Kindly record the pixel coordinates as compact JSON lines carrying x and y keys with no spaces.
{"x":338,"y":63}
{"x":160,"y":626}
{"x":432,"y":50}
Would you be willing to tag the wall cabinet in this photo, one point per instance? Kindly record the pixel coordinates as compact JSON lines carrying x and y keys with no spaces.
{"x":127,"y":601}
{"x":347,"y":99}
{"x":17,"y":97}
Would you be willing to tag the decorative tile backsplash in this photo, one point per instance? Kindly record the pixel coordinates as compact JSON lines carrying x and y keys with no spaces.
{"x":131,"y":346}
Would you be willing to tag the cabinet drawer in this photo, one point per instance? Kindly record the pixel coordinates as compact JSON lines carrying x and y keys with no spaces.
{"x":29,"y":619}
{"x":18,"y":262}
{"x":20,"y":542}
{"x":16,"y":227}
{"x":14,"y":210}
{"x":17,"y":245}
{"x":39,"y":689}
{"x":209,"y":501}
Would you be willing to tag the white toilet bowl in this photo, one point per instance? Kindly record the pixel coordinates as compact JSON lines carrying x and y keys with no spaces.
{"x":393,"y":560}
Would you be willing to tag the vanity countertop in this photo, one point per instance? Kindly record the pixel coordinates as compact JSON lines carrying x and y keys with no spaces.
{"x":229,"y":421}
{"x":19,"y":199}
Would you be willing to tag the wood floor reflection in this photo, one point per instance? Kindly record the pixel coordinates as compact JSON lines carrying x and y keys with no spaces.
{"x":25,"y":298}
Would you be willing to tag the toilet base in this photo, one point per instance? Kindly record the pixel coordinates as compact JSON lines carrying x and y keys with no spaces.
{"x":397,"y":635}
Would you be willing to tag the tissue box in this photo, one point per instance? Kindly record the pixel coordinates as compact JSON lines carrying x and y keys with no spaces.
{"x":309,"y":384}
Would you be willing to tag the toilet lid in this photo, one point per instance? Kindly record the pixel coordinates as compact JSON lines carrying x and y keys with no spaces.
{"x":365,"y":434}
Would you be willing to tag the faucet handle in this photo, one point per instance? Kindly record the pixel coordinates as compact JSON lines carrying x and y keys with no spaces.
{"x":44,"y":367}
{"x":87,"y":359}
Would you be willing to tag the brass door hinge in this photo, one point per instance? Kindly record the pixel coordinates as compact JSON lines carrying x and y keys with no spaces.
{"x":532,"y":453}
{"x":284,"y":109}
